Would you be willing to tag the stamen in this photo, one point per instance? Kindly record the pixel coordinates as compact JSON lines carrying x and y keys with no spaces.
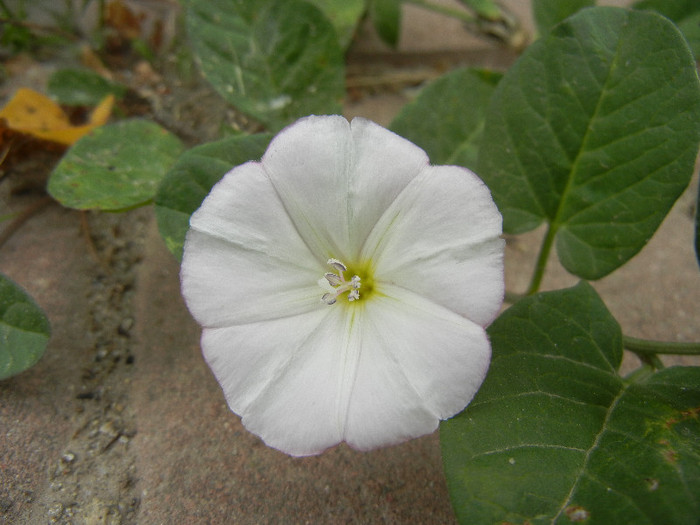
{"x":339,"y":266}
{"x":328,"y":298}
{"x":338,"y":283}
{"x":333,"y":279}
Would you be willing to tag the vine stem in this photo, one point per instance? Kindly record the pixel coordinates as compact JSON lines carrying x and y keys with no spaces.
{"x":648,"y":347}
{"x":448,"y":11}
{"x":541,"y":265}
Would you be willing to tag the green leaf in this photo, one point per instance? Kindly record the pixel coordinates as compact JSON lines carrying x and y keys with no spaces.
{"x":554,"y":435}
{"x":685,"y":13}
{"x":115,"y":167}
{"x":594,"y":130}
{"x":690,"y":27}
{"x":447,"y":118}
{"x":77,"y":87}
{"x":487,"y":9}
{"x":24,"y":329}
{"x":548,"y":13}
{"x":192,"y":177}
{"x":276,"y":60}
{"x":344,"y":15}
{"x":386,"y":18}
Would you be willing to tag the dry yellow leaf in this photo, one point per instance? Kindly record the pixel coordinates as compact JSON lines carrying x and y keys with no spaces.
{"x":37,"y":115}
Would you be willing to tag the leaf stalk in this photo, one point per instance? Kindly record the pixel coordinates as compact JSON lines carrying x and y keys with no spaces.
{"x":541,"y":264}
{"x":648,"y":347}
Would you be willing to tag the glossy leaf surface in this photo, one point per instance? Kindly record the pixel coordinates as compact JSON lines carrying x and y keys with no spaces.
{"x":447,"y":118}
{"x":595,"y":131}
{"x":556,"y":436}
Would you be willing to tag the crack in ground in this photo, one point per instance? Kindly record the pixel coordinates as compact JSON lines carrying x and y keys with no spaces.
{"x":94,"y":479}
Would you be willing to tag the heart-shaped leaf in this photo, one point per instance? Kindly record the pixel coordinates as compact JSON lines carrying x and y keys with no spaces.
{"x":555,"y":435}
{"x":447,"y":118}
{"x":115,"y":167}
{"x":24,"y":329}
{"x":276,"y":60}
{"x":191,"y":178}
{"x":594,"y":130}
{"x":685,"y":13}
{"x":548,"y":13}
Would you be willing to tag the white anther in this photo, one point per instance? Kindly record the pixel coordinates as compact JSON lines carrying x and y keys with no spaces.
{"x":339,"y":284}
{"x":333,"y":279}
{"x":339,"y":266}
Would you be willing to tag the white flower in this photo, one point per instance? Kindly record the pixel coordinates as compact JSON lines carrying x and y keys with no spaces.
{"x":410,"y":265}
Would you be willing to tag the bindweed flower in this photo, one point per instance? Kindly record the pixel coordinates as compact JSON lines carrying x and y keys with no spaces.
{"x":343,"y":285}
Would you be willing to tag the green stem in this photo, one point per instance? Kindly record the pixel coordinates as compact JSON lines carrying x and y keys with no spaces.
{"x":652,"y":360}
{"x":646,"y":347}
{"x":448,"y":11}
{"x":541,"y":265}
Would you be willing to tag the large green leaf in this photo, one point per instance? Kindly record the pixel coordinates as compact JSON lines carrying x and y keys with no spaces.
{"x":276,"y":60}
{"x":548,"y":13}
{"x":447,"y":118}
{"x":555,"y":435}
{"x":192,"y":177}
{"x":24,"y":329}
{"x":344,"y":15}
{"x":685,"y":13}
{"x":594,"y":130}
{"x":115,"y":167}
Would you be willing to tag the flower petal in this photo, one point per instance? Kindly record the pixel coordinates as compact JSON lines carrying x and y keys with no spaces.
{"x":419,"y":363}
{"x":286,"y":377}
{"x":243,"y":259}
{"x":441,"y":239}
{"x":337,"y":178}
{"x":384,"y":164}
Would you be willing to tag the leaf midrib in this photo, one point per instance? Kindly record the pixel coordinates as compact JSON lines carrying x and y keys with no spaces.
{"x":589,"y":453}
{"x":556,"y":222}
